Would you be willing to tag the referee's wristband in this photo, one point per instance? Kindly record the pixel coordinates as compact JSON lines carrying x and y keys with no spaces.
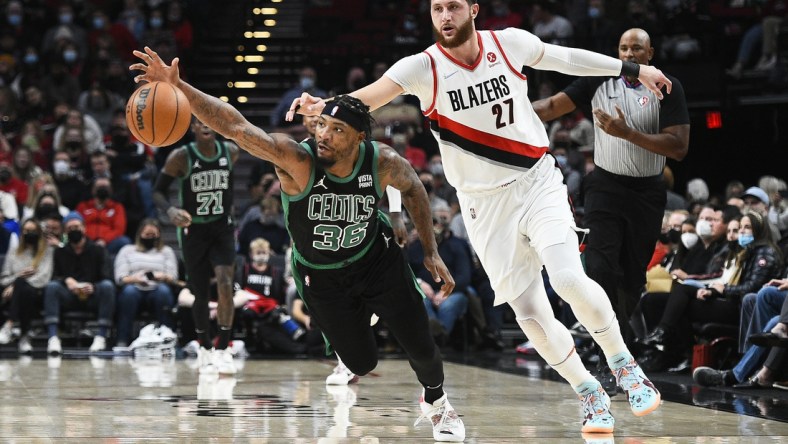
{"x":630,"y":69}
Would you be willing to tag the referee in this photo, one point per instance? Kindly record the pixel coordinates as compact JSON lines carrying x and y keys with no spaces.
{"x":625,"y":195}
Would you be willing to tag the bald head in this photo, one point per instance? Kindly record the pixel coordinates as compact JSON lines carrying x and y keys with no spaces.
{"x":635,"y":46}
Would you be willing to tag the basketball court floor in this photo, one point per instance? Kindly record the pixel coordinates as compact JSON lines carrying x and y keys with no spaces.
{"x":502,"y":398}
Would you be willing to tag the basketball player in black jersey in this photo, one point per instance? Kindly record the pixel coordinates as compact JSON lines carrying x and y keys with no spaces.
{"x":345,"y":261}
{"x":206,"y":234}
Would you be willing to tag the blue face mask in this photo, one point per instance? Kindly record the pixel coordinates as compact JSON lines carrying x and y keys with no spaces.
{"x":745,"y":239}
{"x":65,"y":19}
{"x":70,"y":56}
{"x":307,"y":82}
{"x":31,"y":59}
{"x":594,"y":12}
{"x":98,"y":23}
{"x":155,"y":22}
{"x":14,"y":19}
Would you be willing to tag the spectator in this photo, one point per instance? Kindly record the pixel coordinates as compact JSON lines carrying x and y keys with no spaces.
{"x":549,"y":26}
{"x":92,"y":135}
{"x":307,"y":82}
{"x":11,"y":184}
{"x":502,"y":17}
{"x":122,"y":39}
{"x":26,"y":271}
{"x":444,"y":310}
{"x":756,"y":200}
{"x":52,"y":229}
{"x":66,"y":20}
{"x":23,"y":167}
{"x":270,"y":226}
{"x":45,"y":202}
{"x":59,"y":85}
{"x":105,"y":219}
{"x":79,"y":280}
{"x":100,"y":104}
{"x":758,"y":262}
{"x":758,"y":308}
{"x":145,"y":270}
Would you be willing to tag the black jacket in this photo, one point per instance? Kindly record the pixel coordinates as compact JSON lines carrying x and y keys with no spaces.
{"x":761,"y":264}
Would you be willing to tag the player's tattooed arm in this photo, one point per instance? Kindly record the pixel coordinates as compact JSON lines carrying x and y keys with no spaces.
{"x":394,"y":170}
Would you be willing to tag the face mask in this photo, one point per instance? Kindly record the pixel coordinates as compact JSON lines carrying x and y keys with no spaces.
{"x":61,"y":167}
{"x":14,"y":20}
{"x":155,"y":22}
{"x":31,"y":238}
{"x":70,"y":56}
{"x":436,"y":169}
{"x":307,"y":82}
{"x":594,"y":12}
{"x":148,"y":242}
{"x":75,"y":236}
{"x":102,"y":192}
{"x":98,"y":23}
{"x":745,"y":239}
{"x":428,"y":187}
{"x":5,"y":175}
{"x":703,"y":228}
{"x":65,"y":19}
{"x":409,"y":25}
{"x":689,"y":240}
{"x":561,"y":160}
{"x":31,"y":59}
{"x":260,"y":259}
{"x":674,"y":235}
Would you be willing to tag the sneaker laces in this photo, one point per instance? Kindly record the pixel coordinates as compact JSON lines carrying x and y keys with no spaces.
{"x":446,"y":415}
{"x":593,"y":404}
{"x":627,"y":377}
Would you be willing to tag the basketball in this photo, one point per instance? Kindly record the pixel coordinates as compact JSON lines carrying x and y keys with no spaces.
{"x":158,"y":114}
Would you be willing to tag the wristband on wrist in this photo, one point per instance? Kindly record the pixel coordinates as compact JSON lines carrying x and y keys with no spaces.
{"x":630,"y":69}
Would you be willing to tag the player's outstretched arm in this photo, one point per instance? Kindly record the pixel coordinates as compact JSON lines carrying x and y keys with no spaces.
{"x":394,"y":170}
{"x":375,"y":95}
{"x":222,"y":117}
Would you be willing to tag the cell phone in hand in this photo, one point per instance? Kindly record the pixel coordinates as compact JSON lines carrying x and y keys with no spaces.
{"x":149,"y":276}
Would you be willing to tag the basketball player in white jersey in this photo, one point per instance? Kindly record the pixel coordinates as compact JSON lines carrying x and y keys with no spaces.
{"x":513,"y":200}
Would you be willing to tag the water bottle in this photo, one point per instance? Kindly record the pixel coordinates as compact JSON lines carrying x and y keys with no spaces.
{"x":291,"y":327}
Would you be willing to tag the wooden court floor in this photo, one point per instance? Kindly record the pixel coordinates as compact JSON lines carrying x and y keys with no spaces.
{"x":286,"y":401}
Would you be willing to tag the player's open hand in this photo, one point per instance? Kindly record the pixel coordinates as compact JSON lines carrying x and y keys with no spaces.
{"x":307,"y":105}
{"x":434,"y":264}
{"x":154,"y":69}
{"x":654,"y":80}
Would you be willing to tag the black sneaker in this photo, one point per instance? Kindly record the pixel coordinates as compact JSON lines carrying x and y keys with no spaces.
{"x":708,"y":377}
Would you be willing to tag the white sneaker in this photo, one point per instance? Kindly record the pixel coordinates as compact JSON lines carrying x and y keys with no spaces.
{"x":53,"y":346}
{"x":99,"y":344}
{"x":341,"y":376}
{"x":205,"y":359}
{"x":192,"y":348}
{"x":446,"y":425}
{"x":223,"y":360}
{"x":237,"y":348}
{"x":25,"y":346}
{"x":5,"y":334}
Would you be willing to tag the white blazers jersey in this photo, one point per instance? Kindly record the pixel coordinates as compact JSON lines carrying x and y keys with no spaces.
{"x":480,"y":114}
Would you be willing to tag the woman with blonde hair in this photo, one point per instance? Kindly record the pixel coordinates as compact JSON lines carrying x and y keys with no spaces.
{"x":26,"y":272}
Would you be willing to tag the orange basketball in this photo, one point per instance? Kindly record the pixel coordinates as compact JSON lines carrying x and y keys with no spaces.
{"x":158,"y":114}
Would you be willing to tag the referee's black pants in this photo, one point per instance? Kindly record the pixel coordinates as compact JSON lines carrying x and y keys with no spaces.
{"x":624,"y":215}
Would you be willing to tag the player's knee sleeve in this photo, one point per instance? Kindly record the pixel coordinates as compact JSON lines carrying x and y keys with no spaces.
{"x":550,"y":338}
{"x":570,"y":285}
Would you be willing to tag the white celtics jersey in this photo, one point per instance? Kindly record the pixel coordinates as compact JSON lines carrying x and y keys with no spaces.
{"x":480,"y":114}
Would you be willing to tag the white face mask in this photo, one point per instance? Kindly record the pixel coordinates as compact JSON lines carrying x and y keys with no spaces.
{"x":703,"y":228}
{"x":689,"y":240}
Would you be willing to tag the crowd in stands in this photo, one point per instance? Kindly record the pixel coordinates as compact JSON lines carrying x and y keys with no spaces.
{"x":79,"y":228}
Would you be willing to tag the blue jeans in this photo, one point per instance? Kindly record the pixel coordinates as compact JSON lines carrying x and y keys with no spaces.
{"x":116,"y":244}
{"x":57,"y":295}
{"x":158,"y":300}
{"x":449,"y":310}
{"x":755,"y":356}
{"x":756,"y":311}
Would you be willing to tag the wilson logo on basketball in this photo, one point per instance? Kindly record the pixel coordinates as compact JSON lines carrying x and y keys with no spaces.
{"x":141,"y":107}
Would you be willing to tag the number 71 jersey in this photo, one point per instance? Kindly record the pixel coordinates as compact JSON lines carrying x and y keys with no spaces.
{"x":206,"y":192}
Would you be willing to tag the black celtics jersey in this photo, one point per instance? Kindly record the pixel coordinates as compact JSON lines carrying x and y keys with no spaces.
{"x":206,"y":191}
{"x":334,"y":221}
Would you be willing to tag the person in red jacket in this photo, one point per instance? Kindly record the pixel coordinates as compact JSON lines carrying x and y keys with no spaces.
{"x":105,"y":219}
